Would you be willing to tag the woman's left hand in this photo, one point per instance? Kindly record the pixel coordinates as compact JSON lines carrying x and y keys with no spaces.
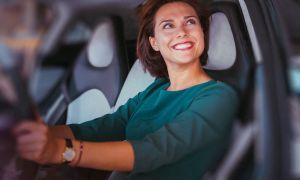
{"x":35,"y":143}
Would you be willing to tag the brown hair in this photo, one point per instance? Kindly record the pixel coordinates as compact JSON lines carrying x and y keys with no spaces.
{"x":151,"y":60}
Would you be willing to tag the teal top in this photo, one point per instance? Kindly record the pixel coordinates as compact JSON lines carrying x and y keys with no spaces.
{"x":175,"y":135}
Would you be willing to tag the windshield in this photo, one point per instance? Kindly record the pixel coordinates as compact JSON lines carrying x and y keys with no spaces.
{"x":23,"y":24}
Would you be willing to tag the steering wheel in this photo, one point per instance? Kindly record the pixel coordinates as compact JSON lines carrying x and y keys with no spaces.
{"x":15,"y":106}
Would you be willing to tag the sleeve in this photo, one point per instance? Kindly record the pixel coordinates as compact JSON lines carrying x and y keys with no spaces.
{"x":110,"y":127}
{"x":204,"y":123}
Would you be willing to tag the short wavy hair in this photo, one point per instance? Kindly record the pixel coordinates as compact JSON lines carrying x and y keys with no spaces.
{"x":151,"y":60}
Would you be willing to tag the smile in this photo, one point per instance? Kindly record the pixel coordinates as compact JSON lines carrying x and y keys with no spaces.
{"x":183,"y":46}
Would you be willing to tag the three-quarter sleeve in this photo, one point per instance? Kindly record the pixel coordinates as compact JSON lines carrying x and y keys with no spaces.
{"x":203,"y":124}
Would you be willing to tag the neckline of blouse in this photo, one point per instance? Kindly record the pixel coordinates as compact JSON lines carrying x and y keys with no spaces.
{"x":164,"y":88}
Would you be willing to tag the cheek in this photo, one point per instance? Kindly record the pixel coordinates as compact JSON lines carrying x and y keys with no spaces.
{"x":163,"y":38}
{"x":201,"y":41}
{"x":199,"y":36}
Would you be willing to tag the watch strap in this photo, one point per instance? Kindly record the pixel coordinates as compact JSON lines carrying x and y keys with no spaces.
{"x":69,"y":143}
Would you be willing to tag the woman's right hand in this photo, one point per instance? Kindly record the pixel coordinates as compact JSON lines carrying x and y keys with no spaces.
{"x":35,"y":143}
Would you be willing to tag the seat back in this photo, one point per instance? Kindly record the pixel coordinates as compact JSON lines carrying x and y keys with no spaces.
{"x":223,"y":54}
{"x":136,"y":81}
{"x":224,"y":47}
{"x":98,"y":74}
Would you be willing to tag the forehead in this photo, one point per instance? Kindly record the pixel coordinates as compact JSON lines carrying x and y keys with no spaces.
{"x":174,"y":9}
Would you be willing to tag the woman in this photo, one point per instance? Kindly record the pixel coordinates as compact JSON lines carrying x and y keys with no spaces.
{"x":177,"y":128}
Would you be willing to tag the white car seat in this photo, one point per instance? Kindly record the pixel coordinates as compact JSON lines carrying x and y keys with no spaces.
{"x":99,"y":74}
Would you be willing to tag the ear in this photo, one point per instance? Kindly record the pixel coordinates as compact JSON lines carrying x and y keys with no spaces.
{"x":153,"y":43}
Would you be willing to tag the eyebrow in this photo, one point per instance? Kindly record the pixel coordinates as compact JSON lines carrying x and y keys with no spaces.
{"x":170,"y":20}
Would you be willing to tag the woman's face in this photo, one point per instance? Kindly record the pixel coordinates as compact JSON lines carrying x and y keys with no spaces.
{"x":178,"y":35}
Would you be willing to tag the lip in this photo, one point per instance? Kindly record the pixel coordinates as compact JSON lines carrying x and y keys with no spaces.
{"x":182,"y":46}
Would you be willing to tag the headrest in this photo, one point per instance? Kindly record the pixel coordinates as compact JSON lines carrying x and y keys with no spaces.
{"x":102,"y":46}
{"x":222,"y":49}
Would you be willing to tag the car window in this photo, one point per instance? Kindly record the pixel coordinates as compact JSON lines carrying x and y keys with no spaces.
{"x":289,"y":11}
{"x":294,"y":74}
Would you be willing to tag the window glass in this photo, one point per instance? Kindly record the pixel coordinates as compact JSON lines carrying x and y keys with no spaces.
{"x":289,"y":11}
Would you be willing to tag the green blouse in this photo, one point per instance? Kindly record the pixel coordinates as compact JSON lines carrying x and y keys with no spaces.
{"x":175,"y":134}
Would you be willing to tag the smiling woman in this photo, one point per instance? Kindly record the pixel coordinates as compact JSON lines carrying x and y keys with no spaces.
{"x":179,"y":38}
{"x":151,"y":57}
{"x":170,"y":130}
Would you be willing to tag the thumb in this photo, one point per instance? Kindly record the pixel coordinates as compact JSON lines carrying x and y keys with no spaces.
{"x":36,"y":114}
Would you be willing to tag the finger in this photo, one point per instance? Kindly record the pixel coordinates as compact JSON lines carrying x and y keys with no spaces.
{"x":36,"y":114}
{"x":27,"y":155}
{"x":27,"y":127}
{"x":39,"y":118}
{"x":33,"y":147}
{"x":32,"y":156}
{"x":32,"y":138}
{"x":33,"y":153}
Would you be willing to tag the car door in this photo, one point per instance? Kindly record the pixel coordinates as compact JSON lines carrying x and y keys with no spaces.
{"x":262,"y":45}
{"x":272,"y":91}
{"x":272,"y":94}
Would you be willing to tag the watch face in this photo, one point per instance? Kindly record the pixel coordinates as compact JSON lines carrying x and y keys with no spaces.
{"x":69,"y":154}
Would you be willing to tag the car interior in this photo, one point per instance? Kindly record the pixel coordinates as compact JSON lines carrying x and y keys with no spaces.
{"x":86,"y":66}
{"x":102,"y":72}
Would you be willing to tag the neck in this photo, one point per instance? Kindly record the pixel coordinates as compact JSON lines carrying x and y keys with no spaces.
{"x":183,"y":78}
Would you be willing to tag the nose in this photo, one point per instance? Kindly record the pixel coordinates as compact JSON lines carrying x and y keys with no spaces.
{"x":181,"y":32}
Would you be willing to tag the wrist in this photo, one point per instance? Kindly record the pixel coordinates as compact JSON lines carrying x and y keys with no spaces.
{"x":60,"y":148}
{"x":54,"y":150}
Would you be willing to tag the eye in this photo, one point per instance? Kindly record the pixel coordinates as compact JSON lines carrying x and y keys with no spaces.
{"x":168,"y":26}
{"x":191,"y":21}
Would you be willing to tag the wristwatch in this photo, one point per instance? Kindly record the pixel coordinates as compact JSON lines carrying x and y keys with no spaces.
{"x":69,"y":153}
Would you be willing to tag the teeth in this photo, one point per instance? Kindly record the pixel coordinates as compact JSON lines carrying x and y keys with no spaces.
{"x":183,"y":46}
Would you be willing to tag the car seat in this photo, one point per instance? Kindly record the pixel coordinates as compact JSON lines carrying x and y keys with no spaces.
{"x":240,"y":76}
{"x":93,"y":85}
